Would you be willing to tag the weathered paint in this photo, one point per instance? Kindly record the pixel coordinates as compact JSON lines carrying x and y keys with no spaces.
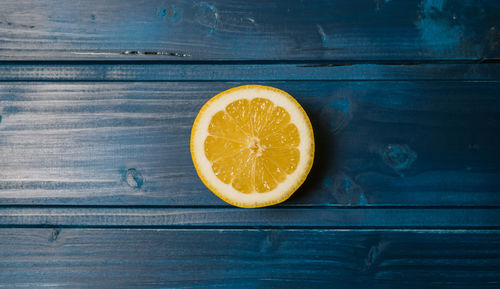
{"x":72,"y":143}
{"x":262,"y":30}
{"x":207,"y":13}
{"x":403,"y":97}
{"x":235,"y":258}
{"x":398,"y":156}
{"x":134,"y":178}
{"x":171,"y":13}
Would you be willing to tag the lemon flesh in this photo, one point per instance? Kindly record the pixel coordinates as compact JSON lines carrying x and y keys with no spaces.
{"x":252,"y":145}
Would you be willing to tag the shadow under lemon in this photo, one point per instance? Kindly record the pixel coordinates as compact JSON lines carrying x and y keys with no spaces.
{"x":325,"y":123}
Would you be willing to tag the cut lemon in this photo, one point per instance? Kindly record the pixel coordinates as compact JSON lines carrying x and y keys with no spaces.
{"x":252,"y":145}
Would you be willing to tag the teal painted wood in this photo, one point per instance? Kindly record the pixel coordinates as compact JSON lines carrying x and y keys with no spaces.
{"x":410,"y":218}
{"x":254,"y":30}
{"x":75,"y":258}
{"x":389,"y":143}
{"x":97,"y":99}
{"x":112,"y":71}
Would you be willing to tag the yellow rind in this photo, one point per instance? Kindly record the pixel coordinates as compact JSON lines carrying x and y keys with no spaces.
{"x":285,"y":195}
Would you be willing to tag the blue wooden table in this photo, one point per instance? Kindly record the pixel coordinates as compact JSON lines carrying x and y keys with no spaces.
{"x":97,"y":187}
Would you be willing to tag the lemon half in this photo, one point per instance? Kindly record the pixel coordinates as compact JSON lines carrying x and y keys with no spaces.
{"x":252,"y":145}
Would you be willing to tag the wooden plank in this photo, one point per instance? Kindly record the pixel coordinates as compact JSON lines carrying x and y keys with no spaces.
{"x":67,"y":71}
{"x":257,"y":218}
{"x":261,"y":30}
{"x":71,"y":258}
{"x":379,"y":143}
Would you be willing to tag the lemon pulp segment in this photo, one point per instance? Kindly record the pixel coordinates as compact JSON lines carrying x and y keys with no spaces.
{"x":252,"y":145}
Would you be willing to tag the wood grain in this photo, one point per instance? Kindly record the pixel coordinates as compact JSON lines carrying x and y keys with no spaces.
{"x":256,"y":30}
{"x":380,"y":143}
{"x":112,"y":258}
{"x":62,"y":71}
{"x":97,"y":188}
{"x":414,"y":218}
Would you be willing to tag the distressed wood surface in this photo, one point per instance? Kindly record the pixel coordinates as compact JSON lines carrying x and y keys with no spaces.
{"x":424,"y":143}
{"x":81,"y":258}
{"x":97,"y":188}
{"x":255,"y":30}
{"x":298,"y":71}
{"x":359,"y":217}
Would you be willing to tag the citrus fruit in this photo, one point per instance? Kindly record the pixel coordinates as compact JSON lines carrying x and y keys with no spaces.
{"x":252,"y":145}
